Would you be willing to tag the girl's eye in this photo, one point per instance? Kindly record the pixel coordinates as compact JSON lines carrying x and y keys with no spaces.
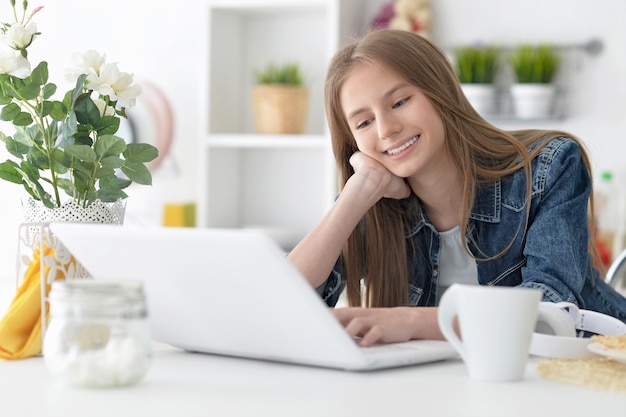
{"x":400,"y":102}
{"x":364,"y":123}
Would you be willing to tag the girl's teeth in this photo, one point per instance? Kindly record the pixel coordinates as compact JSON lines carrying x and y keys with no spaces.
{"x":403,"y":147}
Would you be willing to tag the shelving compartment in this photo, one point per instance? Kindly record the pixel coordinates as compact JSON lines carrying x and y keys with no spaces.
{"x":277,"y":190}
{"x":245,"y":39}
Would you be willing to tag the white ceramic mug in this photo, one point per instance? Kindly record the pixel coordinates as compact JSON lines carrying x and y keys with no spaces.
{"x":496,"y":325}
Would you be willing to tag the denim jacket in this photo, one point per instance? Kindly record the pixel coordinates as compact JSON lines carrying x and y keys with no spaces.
{"x":551,"y":255}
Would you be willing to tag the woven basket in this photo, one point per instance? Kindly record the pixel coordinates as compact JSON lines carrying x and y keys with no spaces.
{"x":279,"y":108}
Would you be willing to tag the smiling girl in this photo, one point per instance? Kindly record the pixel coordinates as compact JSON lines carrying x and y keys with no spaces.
{"x":431,"y":194}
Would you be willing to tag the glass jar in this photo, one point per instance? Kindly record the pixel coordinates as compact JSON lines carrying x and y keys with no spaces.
{"x":98,"y":334}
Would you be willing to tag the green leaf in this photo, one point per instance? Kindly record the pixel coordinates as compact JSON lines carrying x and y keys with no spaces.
{"x":108,"y":125}
{"x":81,"y":181}
{"x":49,"y":90}
{"x":38,"y":159}
{"x":110,"y":196}
{"x":109,"y":145}
{"x":23,"y":119}
{"x":16,"y":148}
{"x":30,"y":170}
{"x":112,"y":161}
{"x":81,"y":152}
{"x":123,"y":182}
{"x":10,"y":112}
{"x":137,"y":172}
{"x":59,"y":111}
{"x":66,"y":185}
{"x":111,"y":188}
{"x":140,"y":152}
{"x":77,"y":91}
{"x":29,"y":91}
{"x":86,"y":111}
{"x":31,"y":183}
{"x":46,"y":108}
{"x":9,"y":173}
{"x":83,"y":168}
{"x":60,"y":162}
{"x":104,"y":172}
{"x":83,"y":139}
{"x":67,"y":131}
{"x":109,"y":183}
{"x":39,"y":75}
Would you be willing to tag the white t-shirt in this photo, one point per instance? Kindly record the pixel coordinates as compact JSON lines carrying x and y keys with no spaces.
{"x":455,"y":264}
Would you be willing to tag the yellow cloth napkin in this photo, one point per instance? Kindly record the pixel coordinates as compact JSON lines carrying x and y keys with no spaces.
{"x":20,"y":328}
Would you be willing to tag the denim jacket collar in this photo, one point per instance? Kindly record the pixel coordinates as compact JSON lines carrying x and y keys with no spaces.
{"x":487,"y":207}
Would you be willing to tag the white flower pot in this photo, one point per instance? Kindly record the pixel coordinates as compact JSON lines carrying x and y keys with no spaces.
{"x":533,"y":101}
{"x":70,"y":211}
{"x":481,"y":96}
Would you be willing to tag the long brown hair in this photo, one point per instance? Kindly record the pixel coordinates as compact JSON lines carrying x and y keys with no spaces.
{"x":481,"y":152}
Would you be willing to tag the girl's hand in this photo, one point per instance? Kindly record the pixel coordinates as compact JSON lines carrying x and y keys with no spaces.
{"x":376,"y":175}
{"x":389,"y":325}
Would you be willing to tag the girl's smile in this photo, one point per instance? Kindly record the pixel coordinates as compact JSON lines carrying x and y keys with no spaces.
{"x":399,"y":149}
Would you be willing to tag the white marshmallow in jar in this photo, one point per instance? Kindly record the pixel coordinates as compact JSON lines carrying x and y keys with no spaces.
{"x":98,"y":335}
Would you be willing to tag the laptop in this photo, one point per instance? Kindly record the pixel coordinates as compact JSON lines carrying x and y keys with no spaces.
{"x":231,"y":292}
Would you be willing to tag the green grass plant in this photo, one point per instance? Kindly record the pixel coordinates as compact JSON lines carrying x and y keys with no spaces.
{"x":289,"y":74}
{"x":476,"y":64}
{"x":535,"y":63}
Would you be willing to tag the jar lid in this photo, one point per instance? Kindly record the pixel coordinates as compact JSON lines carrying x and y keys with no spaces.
{"x":95,"y":295}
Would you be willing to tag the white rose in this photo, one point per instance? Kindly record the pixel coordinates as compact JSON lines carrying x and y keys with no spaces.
{"x":103,"y":108}
{"x":126,"y":91}
{"x":103,"y":79}
{"x":88,"y":63}
{"x":12,"y":63}
{"x":20,"y":37}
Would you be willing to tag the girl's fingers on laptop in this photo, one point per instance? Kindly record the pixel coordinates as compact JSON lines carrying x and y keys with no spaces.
{"x":375,"y":325}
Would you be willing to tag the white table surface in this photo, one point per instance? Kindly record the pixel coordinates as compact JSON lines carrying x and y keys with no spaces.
{"x":185,"y":384}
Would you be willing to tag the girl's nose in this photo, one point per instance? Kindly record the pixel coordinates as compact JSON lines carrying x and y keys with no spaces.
{"x":388,"y":126}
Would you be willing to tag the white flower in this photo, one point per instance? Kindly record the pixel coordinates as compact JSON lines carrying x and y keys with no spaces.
{"x":103,"y":108}
{"x":12,"y":63}
{"x":88,"y":63}
{"x":126,"y":91}
{"x":19,"y":37}
{"x":102,"y":80}
{"x":109,"y":81}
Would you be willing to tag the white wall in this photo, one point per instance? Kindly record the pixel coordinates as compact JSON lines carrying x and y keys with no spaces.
{"x":162,"y":42}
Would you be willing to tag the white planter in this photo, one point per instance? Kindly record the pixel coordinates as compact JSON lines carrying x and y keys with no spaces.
{"x":533,"y":101}
{"x":70,"y":211}
{"x":481,"y":96}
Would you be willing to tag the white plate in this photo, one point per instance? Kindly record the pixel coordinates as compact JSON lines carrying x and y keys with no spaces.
{"x":600,"y":349}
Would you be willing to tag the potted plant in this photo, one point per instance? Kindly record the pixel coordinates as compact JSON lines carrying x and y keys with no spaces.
{"x":533,"y":91}
{"x":280,"y":99}
{"x":67,"y":156}
{"x":476,"y":68}
{"x":65,"y":149}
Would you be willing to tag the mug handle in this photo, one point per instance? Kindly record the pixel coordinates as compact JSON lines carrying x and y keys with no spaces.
{"x":447,"y":311}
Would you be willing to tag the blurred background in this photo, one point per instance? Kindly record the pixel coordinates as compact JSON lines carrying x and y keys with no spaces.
{"x":164,"y":45}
